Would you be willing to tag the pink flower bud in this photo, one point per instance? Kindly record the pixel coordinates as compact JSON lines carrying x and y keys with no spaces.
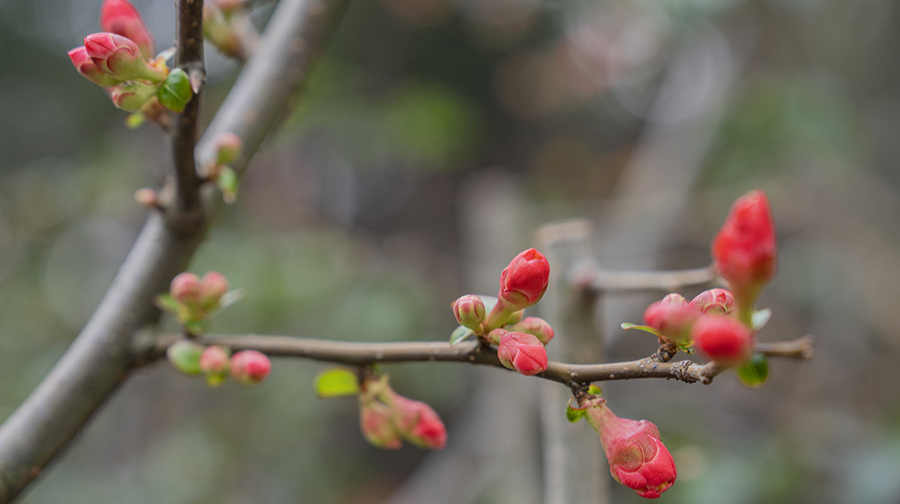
{"x":212,"y":287}
{"x":121,"y":18}
{"x":672,"y":317}
{"x":132,"y":96}
{"x":377,"y":427}
{"x":250,"y":367}
{"x":744,"y":249}
{"x":418,"y":423}
{"x":637,"y":458}
{"x":185,"y":288}
{"x":228,"y":148}
{"x":535,"y":326}
{"x":714,"y":302}
{"x":524,"y":281}
{"x":723,"y":339}
{"x":120,"y":57}
{"x":146,"y":197}
{"x":215,"y":363}
{"x":88,"y":69}
{"x":522,"y":352}
{"x":469,"y":311}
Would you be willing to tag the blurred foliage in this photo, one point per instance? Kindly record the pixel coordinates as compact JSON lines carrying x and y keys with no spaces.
{"x":351,"y":225}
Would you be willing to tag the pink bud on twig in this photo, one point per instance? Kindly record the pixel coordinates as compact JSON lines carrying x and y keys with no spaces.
{"x":121,"y":18}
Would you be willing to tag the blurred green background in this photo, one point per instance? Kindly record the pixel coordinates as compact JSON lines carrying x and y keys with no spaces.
{"x":434,"y":138}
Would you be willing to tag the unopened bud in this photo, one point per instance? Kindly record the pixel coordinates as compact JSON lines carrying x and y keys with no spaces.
{"x":524,"y":281}
{"x":212,"y":287}
{"x":228,"y":148}
{"x":88,"y":69}
{"x":723,"y":339}
{"x":535,"y":326}
{"x":376,"y":425}
{"x":523,"y":353}
{"x":147,"y":197}
{"x":185,"y":356}
{"x":215,"y":363}
{"x":250,"y":367}
{"x":121,"y":18}
{"x":672,"y":317}
{"x":185,"y":288}
{"x":132,"y":96}
{"x":469,"y":311}
{"x":418,"y":423}
{"x":714,"y":302}
{"x":120,"y":57}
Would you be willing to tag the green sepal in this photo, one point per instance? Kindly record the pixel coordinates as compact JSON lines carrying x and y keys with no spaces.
{"x":574,"y":414}
{"x":459,"y":334}
{"x":176,"y":92}
{"x":755,"y":371}
{"x":629,"y":325}
{"x":760,"y":318}
{"x":337,"y":382}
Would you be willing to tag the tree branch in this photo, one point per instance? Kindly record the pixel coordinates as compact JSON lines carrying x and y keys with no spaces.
{"x":100,"y":358}
{"x":189,"y":57}
{"x":619,"y":281}
{"x":151,"y":348}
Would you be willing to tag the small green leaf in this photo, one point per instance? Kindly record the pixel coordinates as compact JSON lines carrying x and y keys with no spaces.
{"x":227,"y":181}
{"x":629,"y":325}
{"x":175,"y":93}
{"x":760,"y":318}
{"x":184,"y":355}
{"x":595,"y":390}
{"x":135,"y":120}
{"x":459,"y":334}
{"x":336,"y":383}
{"x":755,"y":371}
{"x":167,"y":303}
{"x":232,"y":297}
{"x":573,"y":415}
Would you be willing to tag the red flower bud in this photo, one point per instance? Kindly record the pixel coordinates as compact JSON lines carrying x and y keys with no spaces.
{"x":376,"y":425}
{"x":88,"y":69}
{"x":121,"y":18}
{"x":522,"y":352}
{"x":535,"y":326}
{"x":714,"y":302}
{"x":524,"y":281}
{"x":120,"y":57}
{"x":637,"y":458}
{"x":417,"y":422}
{"x":744,"y":249}
{"x":185,"y":288}
{"x":469,"y":311}
{"x":215,"y":363}
{"x":250,"y":367}
{"x":723,"y":339}
{"x":212,"y":287}
{"x":672,"y":318}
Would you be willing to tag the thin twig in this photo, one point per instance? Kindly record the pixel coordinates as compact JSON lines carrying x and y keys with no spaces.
{"x":473,"y":352}
{"x":101,"y":357}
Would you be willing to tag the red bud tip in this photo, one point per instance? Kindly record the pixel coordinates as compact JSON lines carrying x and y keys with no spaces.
{"x":215,"y":359}
{"x":714,"y":302}
{"x":523,"y":353}
{"x":524,"y":281}
{"x":250,"y":367}
{"x":418,"y":423}
{"x":637,"y":458}
{"x":121,"y":18}
{"x":744,"y":249}
{"x":185,"y":288}
{"x":212,"y":287}
{"x":672,"y":317}
{"x":146,"y":197}
{"x":723,"y":339}
{"x":88,"y":69}
{"x":469,"y":311}
{"x":535,"y":326}
{"x":120,"y":57}
{"x":228,"y":148}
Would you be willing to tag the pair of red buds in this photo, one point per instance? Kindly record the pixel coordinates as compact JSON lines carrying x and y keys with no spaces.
{"x":120,"y":59}
{"x":520,"y":342}
{"x":387,"y":418}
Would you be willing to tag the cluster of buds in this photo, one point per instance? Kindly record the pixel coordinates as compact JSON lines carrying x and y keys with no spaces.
{"x":520,"y":341}
{"x":228,"y":149}
{"x":637,"y":458}
{"x":216,"y":363}
{"x":192,"y":299}
{"x":227,"y":25}
{"x":719,"y":322}
{"x":386,"y":418}
{"x":120,"y":60}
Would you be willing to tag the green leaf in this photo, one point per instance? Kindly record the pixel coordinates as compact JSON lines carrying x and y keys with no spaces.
{"x":629,"y":325}
{"x":184,"y":355}
{"x":167,"y":303}
{"x":175,"y":93}
{"x":337,"y":382}
{"x":232,"y":297}
{"x":459,"y":334}
{"x":755,"y":371}
{"x":760,"y":318}
{"x":595,"y":390}
{"x":574,"y":414}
